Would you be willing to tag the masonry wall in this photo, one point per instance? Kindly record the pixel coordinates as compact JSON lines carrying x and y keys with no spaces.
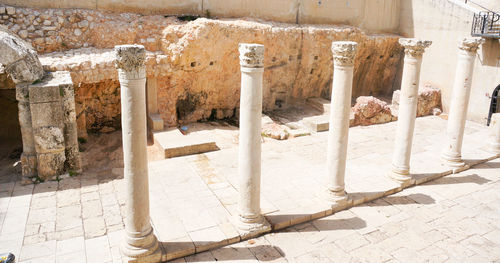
{"x":373,"y":15}
{"x":445,"y":22}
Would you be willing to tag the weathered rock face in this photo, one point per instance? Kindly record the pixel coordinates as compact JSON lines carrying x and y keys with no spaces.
{"x":98,"y":106}
{"x":429,"y":101}
{"x":369,"y":110}
{"x":18,"y":59}
{"x":204,"y":74}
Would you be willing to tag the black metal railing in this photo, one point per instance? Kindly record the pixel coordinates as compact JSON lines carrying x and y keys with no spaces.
{"x":486,"y":24}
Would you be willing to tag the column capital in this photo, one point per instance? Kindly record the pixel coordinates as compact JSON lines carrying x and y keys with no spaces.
{"x":414,"y":47}
{"x":251,"y":55}
{"x":470,"y":44}
{"x":130,"y":58}
{"x":344,"y":52}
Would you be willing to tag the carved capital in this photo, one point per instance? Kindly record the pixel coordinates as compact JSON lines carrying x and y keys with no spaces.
{"x":470,"y":44}
{"x":130,"y":58}
{"x":344,"y":52}
{"x":414,"y":47}
{"x":251,"y":55}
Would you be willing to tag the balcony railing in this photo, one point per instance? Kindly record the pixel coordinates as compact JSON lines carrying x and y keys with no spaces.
{"x":486,"y":24}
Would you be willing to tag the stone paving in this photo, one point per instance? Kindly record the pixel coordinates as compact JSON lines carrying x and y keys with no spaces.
{"x":80,"y":219}
{"x":452,"y":219}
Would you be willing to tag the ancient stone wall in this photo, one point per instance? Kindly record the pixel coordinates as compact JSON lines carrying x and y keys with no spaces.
{"x":376,"y":16}
{"x":51,"y":30}
{"x":196,"y":63}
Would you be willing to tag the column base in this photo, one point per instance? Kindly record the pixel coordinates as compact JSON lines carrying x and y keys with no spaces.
{"x":141,"y":249}
{"x":402,"y":177}
{"x":335,"y":198}
{"x":452,"y":161}
{"x":249,"y":228}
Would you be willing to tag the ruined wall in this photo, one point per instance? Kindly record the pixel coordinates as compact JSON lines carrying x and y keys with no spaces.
{"x":373,"y":15}
{"x":50,"y":30}
{"x":445,"y":22}
{"x":204,"y":63}
{"x":196,"y":63}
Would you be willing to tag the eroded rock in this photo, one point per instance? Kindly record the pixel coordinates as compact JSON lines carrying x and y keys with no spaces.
{"x":369,"y":110}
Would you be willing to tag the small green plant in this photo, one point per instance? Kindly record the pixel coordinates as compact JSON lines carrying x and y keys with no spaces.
{"x":36,"y":81}
{"x":61,"y":92}
{"x":36,"y":179}
{"x":207,"y":14}
{"x":82,"y":140}
{"x":72,"y":173}
{"x":64,"y":45}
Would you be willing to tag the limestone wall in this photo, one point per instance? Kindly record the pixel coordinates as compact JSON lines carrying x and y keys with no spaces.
{"x":445,"y":22}
{"x":197,"y":69}
{"x":375,"y":15}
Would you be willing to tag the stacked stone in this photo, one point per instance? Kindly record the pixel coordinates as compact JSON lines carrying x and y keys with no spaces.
{"x":51,"y":30}
{"x":53,"y":118}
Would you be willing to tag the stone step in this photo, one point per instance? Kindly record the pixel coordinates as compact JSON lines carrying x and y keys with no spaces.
{"x":320,"y":104}
{"x":321,"y":122}
{"x":172,"y":143}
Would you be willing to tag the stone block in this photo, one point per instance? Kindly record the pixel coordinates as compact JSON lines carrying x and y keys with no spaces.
{"x":48,"y":114}
{"x":73,"y":161}
{"x":70,"y":135}
{"x":173,"y":143}
{"x":22,"y":93}
{"x":41,"y":93}
{"x":50,"y":164}
{"x":317,"y":123}
{"x":48,"y":139}
{"x":155,"y":122}
{"x":28,"y":165}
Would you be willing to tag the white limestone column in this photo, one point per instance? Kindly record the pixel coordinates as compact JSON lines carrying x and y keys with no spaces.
{"x":452,"y":153}
{"x":495,"y":132}
{"x":340,"y":107}
{"x":140,"y":244}
{"x":414,"y":49}
{"x":250,"y":221}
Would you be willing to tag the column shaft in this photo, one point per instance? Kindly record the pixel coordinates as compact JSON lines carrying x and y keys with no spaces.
{"x":140,"y":244}
{"x":343,"y":54}
{"x":407,"y":108}
{"x":250,"y":221}
{"x":28,"y":157}
{"x":452,"y":154}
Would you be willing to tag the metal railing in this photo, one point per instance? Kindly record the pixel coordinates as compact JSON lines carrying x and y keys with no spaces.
{"x":486,"y":24}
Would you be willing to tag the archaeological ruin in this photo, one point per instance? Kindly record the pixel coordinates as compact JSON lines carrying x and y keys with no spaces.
{"x":191,"y":125}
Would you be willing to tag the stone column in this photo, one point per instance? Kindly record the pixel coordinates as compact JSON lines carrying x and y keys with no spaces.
{"x":495,"y":132}
{"x":140,"y":243}
{"x":414,"y":49}
{"x":72,"y":151}
{"x":452,"y":153}
{"x":340,"y":108}
{"x":250,"y":221}
{"x":28,"y":157}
